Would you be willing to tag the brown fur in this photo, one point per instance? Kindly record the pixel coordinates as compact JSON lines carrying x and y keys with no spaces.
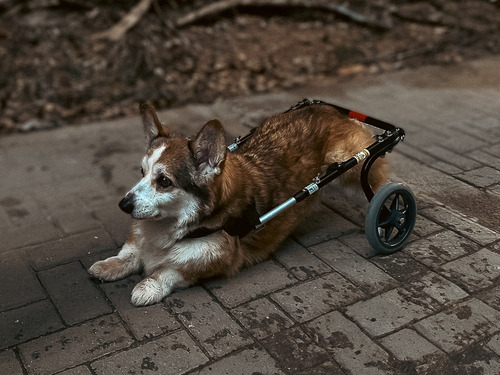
{"x":283,"y":156}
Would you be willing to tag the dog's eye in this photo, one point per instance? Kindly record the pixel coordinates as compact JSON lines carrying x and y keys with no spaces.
{"x":164,"y":181}
{"x":142,"y":171}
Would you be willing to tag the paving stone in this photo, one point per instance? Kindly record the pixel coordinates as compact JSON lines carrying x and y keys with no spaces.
{"x":89,"y":260}
{"x":173,"y":354}
{"x":447,"y":168}
{"x":435,"y":186}
{"x":69,"y":194}
{"x":485,"y":158}
{"x":351,"y":204}
{"x":494,"y":190}
{"x":262,"y":318}
{"x":18,"y":281}
{"x":387,"y":312}
{"x":294,"y":350}
{"x":66,"y":196}
{"x":436,"y":287}
{"x":322,"y":225}
{"x":56,"y":162}
{"x":460,"y":325}
{"x":120,"y":172}
{"x":95,"y":199}
{"x":80,"y":370}
{"x":24,"y":323}
{"x":476,"y":271}
{"x":351,"y":348}
{"x":494,"y":149}
{"x":476,"y":359}
{"x":353,"y":266}
{"x":462,"y":143}
{"x":481,"y":177}
{"x":64,"y":202}
{"x":57,"y":252}
{"x":247,"y":362}
{"x":495,"y":247}
{"x":76,"y":221}
{"x":484,"y":124}
{"x":116,"y":223}
{"x":359,"y":243}
{"x":326,"y":368}
{"x":300,"y":261}
{"x":491,"y":297}
{"x":74,"y":294}
{"x":4,"y":219}
{"x":22,"y":208}
{"x":10,"y":364}
{"x":400,"y":266}
{"x":250,"y":283}
{"x":425,"y":140}
{"x":143,"y":322}
{"x":462,"y":224}
{"x":75,"y":345}
{"x":208,"y":322}
{"x":412,"y":150}
{"x":424,"y":227}
{"x":407,"y":345}
{"x":494,"y":344}
{"x":190,"y":118}
{"x":440,"y":248}
{"x":245,"y":113}
{"x":15,"y":237}
{"x":310,"y":299}
{"x":454,"y":158}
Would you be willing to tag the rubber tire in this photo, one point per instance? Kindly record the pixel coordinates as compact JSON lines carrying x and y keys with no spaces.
{"x":373,"y":218}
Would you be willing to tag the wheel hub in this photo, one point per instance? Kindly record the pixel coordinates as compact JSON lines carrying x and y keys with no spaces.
{"x":400,"y":221}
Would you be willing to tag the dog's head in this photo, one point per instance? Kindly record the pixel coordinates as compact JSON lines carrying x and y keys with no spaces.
{"x":177,"y":172}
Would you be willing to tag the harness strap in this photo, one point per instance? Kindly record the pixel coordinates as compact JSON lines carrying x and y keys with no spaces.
{"x":234,"y":226}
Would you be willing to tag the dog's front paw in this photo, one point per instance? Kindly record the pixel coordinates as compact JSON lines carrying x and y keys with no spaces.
{"x":107,"y":270}
{"x":147,"y":292}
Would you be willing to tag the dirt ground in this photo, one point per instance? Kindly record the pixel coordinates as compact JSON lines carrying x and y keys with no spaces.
{"x":56,"y":69}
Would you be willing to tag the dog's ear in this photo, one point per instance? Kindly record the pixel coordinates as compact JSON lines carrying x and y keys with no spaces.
{"x":209,"y":149}
{"x":152,"y":125}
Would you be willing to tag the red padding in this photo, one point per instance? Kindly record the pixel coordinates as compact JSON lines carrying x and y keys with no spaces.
{"x":358,"y":116}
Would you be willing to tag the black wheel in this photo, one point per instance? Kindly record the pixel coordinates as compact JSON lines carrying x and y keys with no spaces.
{"x":390,"y":218}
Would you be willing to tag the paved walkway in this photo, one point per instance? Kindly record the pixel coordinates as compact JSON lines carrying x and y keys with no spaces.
{"x":325,"y":304}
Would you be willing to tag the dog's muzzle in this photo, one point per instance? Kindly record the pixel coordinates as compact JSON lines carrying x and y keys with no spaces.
{"x":127,"y":204}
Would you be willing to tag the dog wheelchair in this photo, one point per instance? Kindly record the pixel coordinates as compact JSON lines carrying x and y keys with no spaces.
{"x":392,"y":210}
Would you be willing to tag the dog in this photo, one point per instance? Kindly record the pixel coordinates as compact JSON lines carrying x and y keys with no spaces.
{"x":193,"y":189}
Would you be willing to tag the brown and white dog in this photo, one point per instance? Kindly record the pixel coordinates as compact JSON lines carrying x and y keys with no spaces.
{"x":196,"y":183}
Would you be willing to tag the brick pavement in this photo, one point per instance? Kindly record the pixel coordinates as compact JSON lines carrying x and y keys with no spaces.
{"x":324,"y":304}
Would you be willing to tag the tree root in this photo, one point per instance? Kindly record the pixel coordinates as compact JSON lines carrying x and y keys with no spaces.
{"x":214,"y":9}
{"x":117,"y":31}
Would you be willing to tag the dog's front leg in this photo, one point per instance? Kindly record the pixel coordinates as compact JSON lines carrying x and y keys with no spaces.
{"x":117,"y":267}
{"x":157,"y":286}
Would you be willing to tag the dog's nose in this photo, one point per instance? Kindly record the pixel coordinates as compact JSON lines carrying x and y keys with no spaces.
{"x":127,"y":204}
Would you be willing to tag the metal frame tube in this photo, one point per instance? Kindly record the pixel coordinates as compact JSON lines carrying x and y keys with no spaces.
{"x":277,"y":210}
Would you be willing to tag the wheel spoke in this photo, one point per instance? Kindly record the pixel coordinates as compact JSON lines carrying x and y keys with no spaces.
{"x":395,"y":202}
{"x":388,"y":233}
{"x":385,"y":223}
{"x":404,"y":210}
{"x":385,"y":216}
